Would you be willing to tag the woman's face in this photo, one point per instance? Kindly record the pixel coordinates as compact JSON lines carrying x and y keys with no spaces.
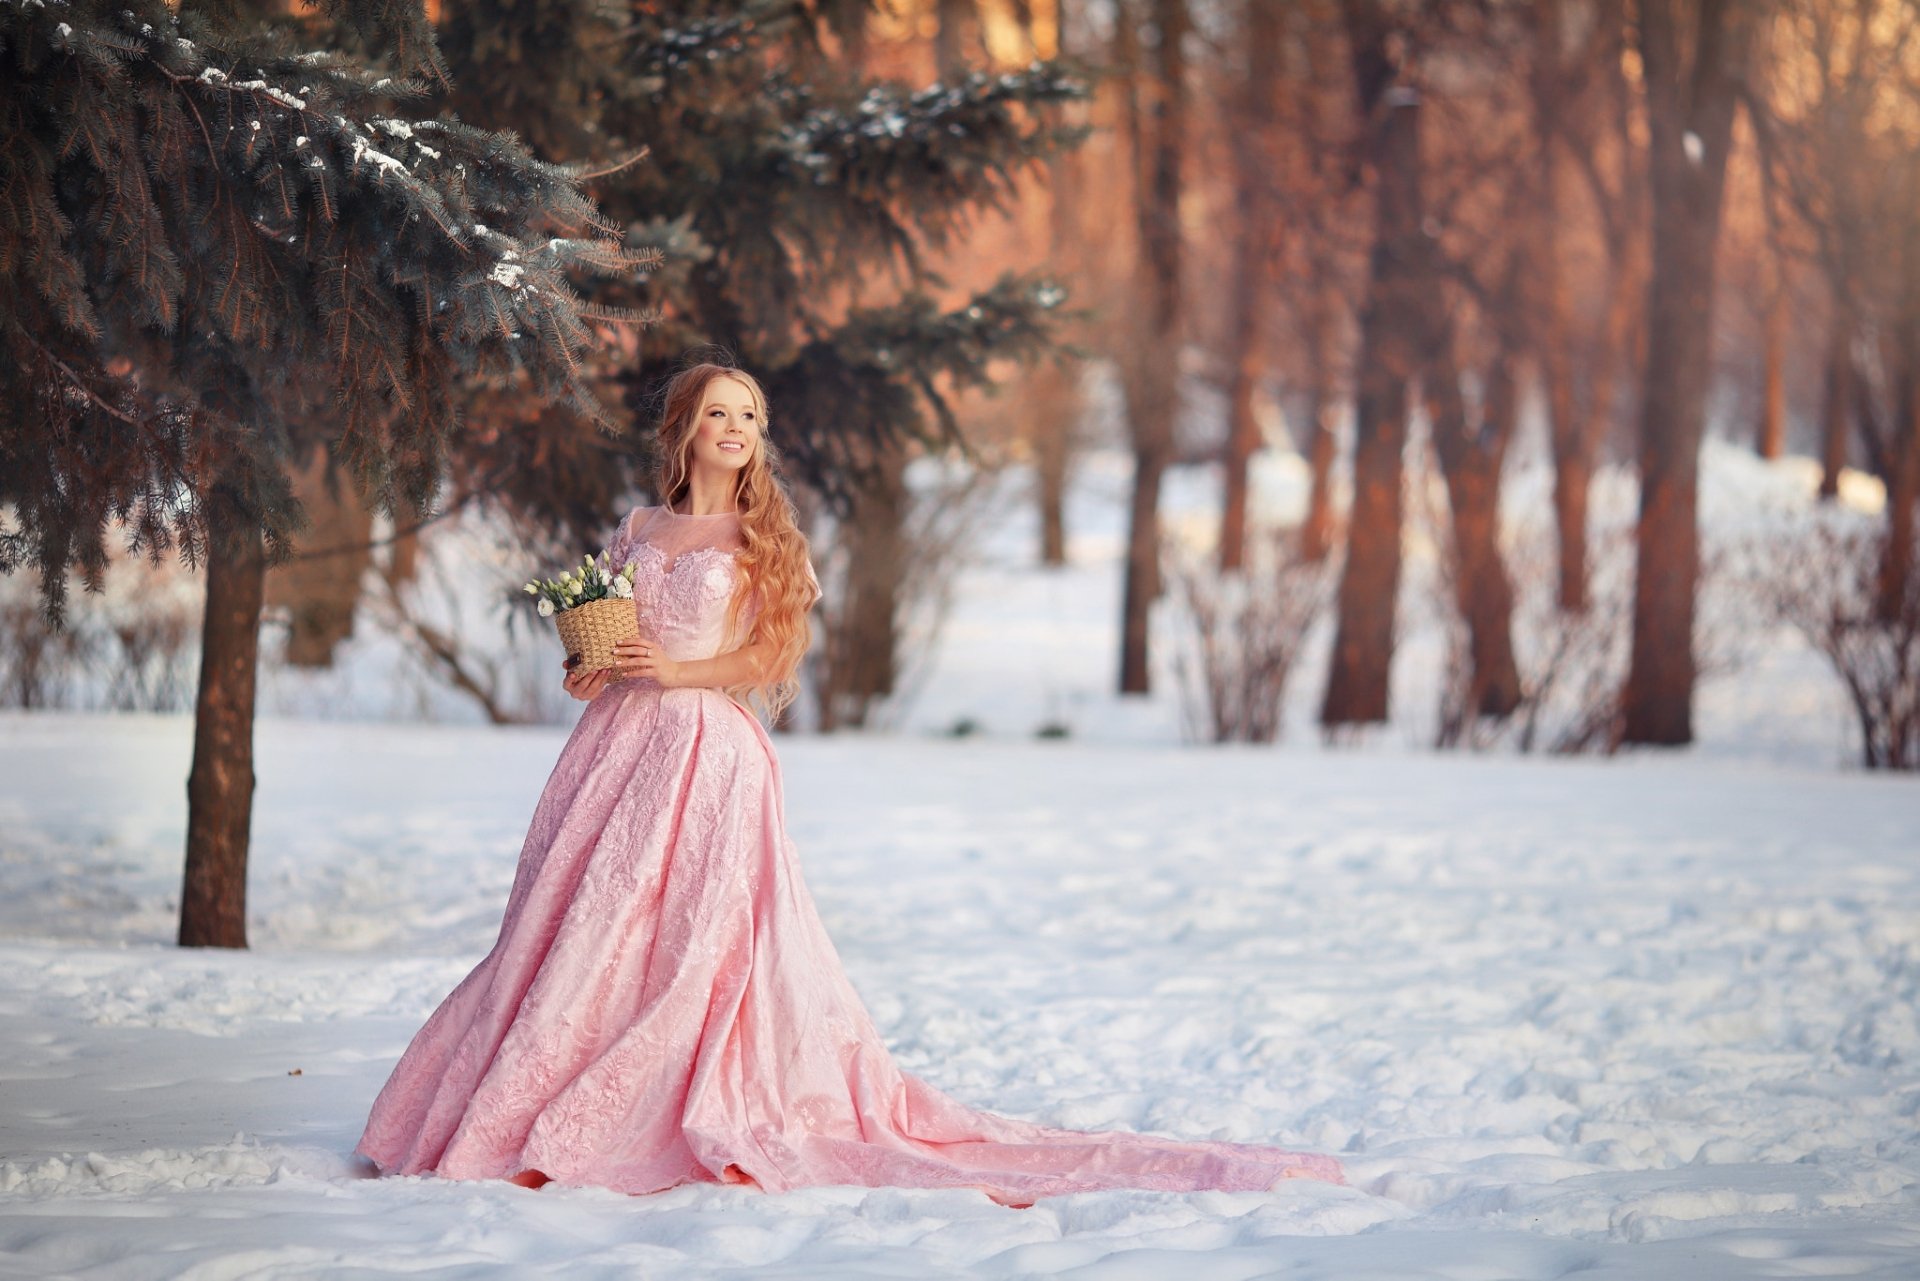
{"x":728,"y":428}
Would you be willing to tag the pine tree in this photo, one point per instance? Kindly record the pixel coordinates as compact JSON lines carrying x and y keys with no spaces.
{"x":220,"y":248}
{"x":796,"y":204}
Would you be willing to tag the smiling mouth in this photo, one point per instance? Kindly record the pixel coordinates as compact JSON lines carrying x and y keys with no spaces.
{"x":732,"y":446}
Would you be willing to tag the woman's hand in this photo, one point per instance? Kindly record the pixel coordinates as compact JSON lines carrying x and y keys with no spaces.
{"x":586,"y":686}
{"x":643,"y":656}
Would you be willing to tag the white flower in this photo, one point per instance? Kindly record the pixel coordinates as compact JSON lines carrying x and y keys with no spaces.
{"x":623,"y":589}
{"x":545,"y":607}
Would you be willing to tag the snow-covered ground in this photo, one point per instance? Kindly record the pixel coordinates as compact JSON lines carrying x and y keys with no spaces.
{"x":1646,"y":1016}
{"x":1643,"y":1016}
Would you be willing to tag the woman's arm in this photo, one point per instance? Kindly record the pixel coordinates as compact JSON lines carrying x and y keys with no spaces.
{"x":644,"y":657}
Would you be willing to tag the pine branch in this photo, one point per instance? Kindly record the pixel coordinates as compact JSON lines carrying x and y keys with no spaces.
{"x":347,"y":254}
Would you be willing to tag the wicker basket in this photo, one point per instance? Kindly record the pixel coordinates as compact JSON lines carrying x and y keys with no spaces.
{"x":590,"y":630}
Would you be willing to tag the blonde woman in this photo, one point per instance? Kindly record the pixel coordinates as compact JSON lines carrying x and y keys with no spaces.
{"x":663,"y":1005}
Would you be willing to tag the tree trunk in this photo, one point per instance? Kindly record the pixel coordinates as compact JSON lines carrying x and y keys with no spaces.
{"x":1317,"y":532}
{"x":1054,"y":414}
{"x":1836,"y":399}
{"x":1243,"y":433}
{"x":1394,"y":337}
{"x":1572,"y":357}
{"x":1903,"y":491}
{"x":319,"y":588}
{"x":1471,"y":462}
{"x":866,"y":645}
{"x":1567,"y":431}
{"x":1153,"y":388}
{"x":1255,"y":249}
{"x":213,"y":896}
{"x":1053,"y":407}
{"x":1143,"y":573}
{"x":951,"y":37}
{"x":1690,"y":123}
{"x":1773,"y":395}
{"x":1615,"y":362}
{"x":1903,"y":444}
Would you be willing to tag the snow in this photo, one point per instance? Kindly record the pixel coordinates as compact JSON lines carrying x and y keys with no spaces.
{"x":1627,"y":1016}
{"x":274,"y":92}
{"x":362,"y":149}
{"x":1641,"y":1016}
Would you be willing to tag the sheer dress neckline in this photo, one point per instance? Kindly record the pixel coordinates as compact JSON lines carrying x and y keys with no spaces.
{"x":673,"y":536}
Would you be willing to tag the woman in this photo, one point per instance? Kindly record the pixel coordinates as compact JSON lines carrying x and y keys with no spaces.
{"x":663,"y":1004}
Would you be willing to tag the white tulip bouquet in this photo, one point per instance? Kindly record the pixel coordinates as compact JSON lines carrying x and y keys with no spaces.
{"x":592,"y":606}
{"x":589,"y":580}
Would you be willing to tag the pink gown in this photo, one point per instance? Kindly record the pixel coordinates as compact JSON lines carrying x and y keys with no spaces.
{"x":663,"y":1004}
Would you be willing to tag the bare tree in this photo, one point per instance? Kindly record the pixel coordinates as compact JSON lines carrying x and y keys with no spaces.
{"x":1770,"y":439}
{"x":1693,"y":73}
{"x":1158,"y":123}
{"x":1895,"y":440}
{"x":1053,"y":401}
{"x":1256,"y":233}
{"x":1814,"y":125}
{"x":1838,"y":124}
{"x":1314,"y":190}
{"x":1471,"y":443}
{"x":1581,"y":106}
{"x":1396,"y":335}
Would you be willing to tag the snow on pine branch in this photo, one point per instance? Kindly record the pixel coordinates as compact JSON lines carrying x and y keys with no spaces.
{"x":330,"y":123}
{"x":955,"y":136}
{"x":194,"y":206}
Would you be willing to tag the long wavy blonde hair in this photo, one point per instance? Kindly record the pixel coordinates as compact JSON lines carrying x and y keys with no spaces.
{"x":775,"y":572}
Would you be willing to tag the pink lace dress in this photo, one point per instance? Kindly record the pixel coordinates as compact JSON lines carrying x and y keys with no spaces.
{"x":663,"y":1004}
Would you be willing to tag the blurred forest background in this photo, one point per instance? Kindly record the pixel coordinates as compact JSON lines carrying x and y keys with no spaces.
{"x":1493,"y":274}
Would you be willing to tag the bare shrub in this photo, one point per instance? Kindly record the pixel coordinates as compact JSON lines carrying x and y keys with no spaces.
{"x":1572,"y":664}
{"x":40,"y":665}
{"x":133,"y":646}
{"x":469,"y":633}
{"x":1825,"y":583}
{"x":1244,"y":630}
{"x":153,"y":622}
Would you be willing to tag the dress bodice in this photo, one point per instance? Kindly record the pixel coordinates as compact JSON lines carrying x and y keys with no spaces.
{"x":683,"y":578}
